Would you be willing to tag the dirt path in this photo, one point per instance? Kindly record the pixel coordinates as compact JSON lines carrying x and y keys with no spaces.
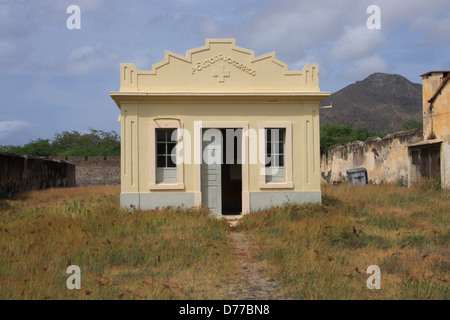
{"x":251,"y":281}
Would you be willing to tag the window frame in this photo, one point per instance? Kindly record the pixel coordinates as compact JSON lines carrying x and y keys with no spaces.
{"x":279,"y":155}
{"x":179,"y":183}
{"x":287,"y":183}
{"x":168,"y":171}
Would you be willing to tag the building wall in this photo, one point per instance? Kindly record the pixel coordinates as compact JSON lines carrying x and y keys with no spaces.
{"x":137,"y":117}
{"x":436,"y":115}
{"x":386,"y":160}
{"x":24,"y":173}
{"x":445,"y":164}
{"x":199,"y":70}
{"x":218,"y":83}
{"x":91,"y":171}
{"x":436,"y":118}
{"x":390,"y":160}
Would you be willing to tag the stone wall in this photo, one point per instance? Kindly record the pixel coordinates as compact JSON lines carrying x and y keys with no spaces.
{"x":92,"y":171}
{"x":24,"y":173}
{"x":386,"y":160}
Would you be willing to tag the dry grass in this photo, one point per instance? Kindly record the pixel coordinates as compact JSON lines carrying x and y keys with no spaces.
{"x":322,"y":252}
{"x":167,"y":254}
{"x":315,"y":251}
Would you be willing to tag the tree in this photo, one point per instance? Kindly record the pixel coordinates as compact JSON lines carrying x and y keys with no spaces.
{"x":11,"y":149}
{"x":412,"y":124}
{"x":38,"y":147}
{"x":332,"y":135}
{"x":94,"y":143}
{"x":65,"y":141}
{"x":74,"y":143}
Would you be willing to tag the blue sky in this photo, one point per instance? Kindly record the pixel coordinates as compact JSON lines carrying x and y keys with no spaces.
{"x":53,"y":79}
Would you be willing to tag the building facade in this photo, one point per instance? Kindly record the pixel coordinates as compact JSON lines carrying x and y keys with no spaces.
{"x":219,"y":128}
{"x":431,"y":156}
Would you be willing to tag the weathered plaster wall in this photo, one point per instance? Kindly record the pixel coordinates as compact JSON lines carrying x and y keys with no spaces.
{"x":23,"y":173}
{"x":436,"y":117}
{"x":92,"y":171}
{"x":386,"y":160}
{"x":445,"y":164}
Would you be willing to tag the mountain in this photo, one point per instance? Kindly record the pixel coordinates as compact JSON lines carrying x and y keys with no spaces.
{"x":381,"y":102}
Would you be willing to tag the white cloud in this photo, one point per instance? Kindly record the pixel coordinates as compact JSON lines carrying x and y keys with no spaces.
{"x":299,"y":64}
{"x":10,"y":128}
{"x":434,"y":28}
{"x":407,"y":11}
{"x":186,"y":2}
{"x":208,"y":28}
{"x":366,"y":66}
{"x":91,"y":5}
{"x":85,"y":5}
{"x":356,"y":43}
{"x":35,"y":46}
{"x":141,"y":62}
{"x":307,"y":23}
{"x":6,"y":50}
{"x":89,"y":59}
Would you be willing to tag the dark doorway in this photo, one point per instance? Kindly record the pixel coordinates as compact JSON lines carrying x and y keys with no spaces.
{"x":231,"y":172}
{"x":435,"y":162}
{"x":427,"y":160}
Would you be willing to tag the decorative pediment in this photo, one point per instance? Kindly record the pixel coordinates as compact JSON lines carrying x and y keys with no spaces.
{"x":219,"y":66}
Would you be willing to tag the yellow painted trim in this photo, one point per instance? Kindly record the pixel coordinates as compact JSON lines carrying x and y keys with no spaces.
{"x":199,"y":71}
{"x":129,"y":149}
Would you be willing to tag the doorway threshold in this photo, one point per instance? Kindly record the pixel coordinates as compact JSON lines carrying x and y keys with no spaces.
{"x":232,"y":220}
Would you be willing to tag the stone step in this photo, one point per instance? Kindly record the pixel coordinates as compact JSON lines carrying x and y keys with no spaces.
{"x":233,"y":220}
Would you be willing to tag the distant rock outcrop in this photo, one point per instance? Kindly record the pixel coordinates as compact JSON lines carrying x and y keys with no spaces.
{"x":381,"y":102}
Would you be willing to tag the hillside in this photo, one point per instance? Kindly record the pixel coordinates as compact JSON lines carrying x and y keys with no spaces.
{"x":381,"y":102}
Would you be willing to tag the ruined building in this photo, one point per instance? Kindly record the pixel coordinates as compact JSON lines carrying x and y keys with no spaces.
{"x":403,"y":157}
{"x":431,"y":157}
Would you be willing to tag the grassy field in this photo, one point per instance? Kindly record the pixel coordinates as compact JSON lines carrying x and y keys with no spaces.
{"x":322,"y":252}
{"x":315,"y":251}
{"x":172,"y":254}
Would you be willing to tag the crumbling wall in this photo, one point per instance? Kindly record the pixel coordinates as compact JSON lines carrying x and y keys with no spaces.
{"x":386,"y":160}
{"x":24,"y":173}
{"x":92,"y":170}
{"x":445,"y":160}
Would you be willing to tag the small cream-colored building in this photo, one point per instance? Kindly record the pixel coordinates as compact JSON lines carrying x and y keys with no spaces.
{"x":219,"y":128}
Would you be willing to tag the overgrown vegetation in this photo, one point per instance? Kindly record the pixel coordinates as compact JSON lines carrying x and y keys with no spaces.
{"x":74,"y":143}
{"x":315,"y":251}
{"x":160,"y":254}
{"x":412,"y":124}
{"x":322,"y":252}
{"x":102,"y":143}
{"x":332,"y":135}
